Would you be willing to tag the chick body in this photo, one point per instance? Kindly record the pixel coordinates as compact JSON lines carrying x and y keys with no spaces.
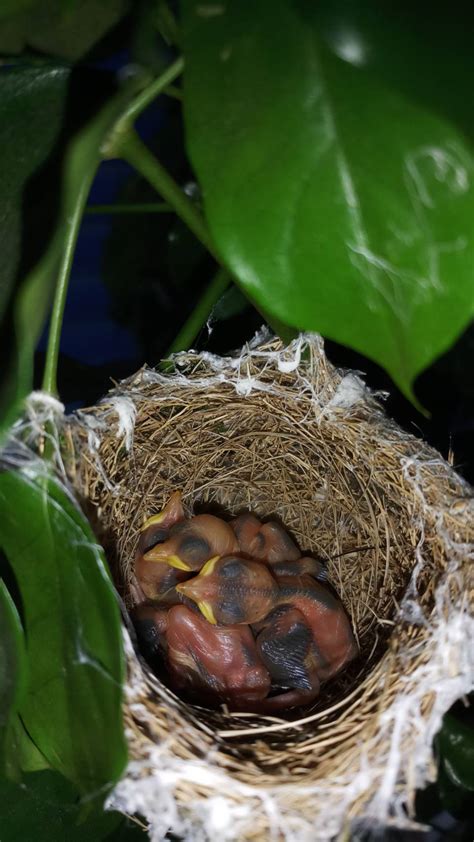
{"x":156,"y":528}
{"x":264,"y":541}
{"x":287,"y":647}
{"x":306,"y":564}
{"x":152,"y":581}
{"x":327,"y":619}
{"x":216,"y":664}
{"x":232,"y":590}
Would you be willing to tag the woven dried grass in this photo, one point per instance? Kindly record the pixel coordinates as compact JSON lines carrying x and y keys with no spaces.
{"x":281,"y":432}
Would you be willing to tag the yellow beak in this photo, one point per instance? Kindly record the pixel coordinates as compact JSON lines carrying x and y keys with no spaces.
{"x":173,"y":560}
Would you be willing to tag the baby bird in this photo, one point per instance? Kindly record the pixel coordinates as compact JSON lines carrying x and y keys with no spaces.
{"x":153,"y":581}
{"x":303,"y":646}
{"x":324,"y":614}
{"x":264,"y":541}
{"x":214,"y":664}
{"x":232,"y":590}
{"x":193,"y":542}
{"x":288,"y":649}
{"x":156,"y":528}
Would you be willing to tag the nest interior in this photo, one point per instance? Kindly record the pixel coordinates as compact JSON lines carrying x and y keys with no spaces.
{"x":306,"y":445}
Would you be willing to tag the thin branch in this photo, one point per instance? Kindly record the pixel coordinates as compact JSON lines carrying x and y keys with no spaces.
{"x":130,"y":148}
{"x":145,"y":98}
{"x":166,"y":23}
{"x":200,"y":314}
{"x":174,"y":92}
{"x":54,"y":335}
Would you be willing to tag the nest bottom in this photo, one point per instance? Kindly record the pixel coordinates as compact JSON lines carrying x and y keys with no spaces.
{"x":300,"y":442}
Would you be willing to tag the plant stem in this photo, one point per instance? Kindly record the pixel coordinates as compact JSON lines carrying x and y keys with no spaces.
{"x":150,"y":93}
{"x":173,"y":91}
{"x":200,"y":314}
{"x":54,"y":336}
{"x":72,"y":224}
{"x":131,"y":149}
{"x":165,"y":23}
{"x":135,"y":207}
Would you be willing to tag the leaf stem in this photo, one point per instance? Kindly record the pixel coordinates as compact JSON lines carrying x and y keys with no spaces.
{"x":131,"y":149}
{"x":54,"y":337}
{"x":146,"y":97}
{"x":166,"y":24}
{"x":200,"y":314}
{"x":174,"y":92}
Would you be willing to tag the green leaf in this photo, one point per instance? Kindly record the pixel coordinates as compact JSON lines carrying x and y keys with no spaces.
{"x":72,"y":706}
{"x":55,"y":27}
{"x":32,"y":102}
{"x":341,"y":205}
{"x":33,"y":298}
{"x":456,"y":748}
{"x":27,"y":755}
{"x":165,"y":22}
{"x":422,"y":49}
{"x":46,"y":808}
{"x":12,"y":676}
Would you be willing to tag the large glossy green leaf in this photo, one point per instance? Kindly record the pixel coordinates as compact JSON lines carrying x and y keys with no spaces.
{"x":340,"y":204}
{"x":33,"y":299}
{"x":72,"y":705}
{"x":423,"y":49}
{"x":12,"y":675}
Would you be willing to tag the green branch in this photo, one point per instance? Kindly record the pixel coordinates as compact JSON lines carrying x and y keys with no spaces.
{"x":126,"y":120}
{"x":200,"y":314}
{"x":146,"y":97}
{"x":166,"y":24}
{"x":54,"y":335}
{"x":129,"y":147}
{"x":174,"y":92}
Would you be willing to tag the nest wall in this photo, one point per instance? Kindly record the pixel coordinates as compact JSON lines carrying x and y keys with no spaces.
{"x":279,"y":431}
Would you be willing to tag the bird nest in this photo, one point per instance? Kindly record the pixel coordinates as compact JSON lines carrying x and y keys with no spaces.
{"x":278,"y":430}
